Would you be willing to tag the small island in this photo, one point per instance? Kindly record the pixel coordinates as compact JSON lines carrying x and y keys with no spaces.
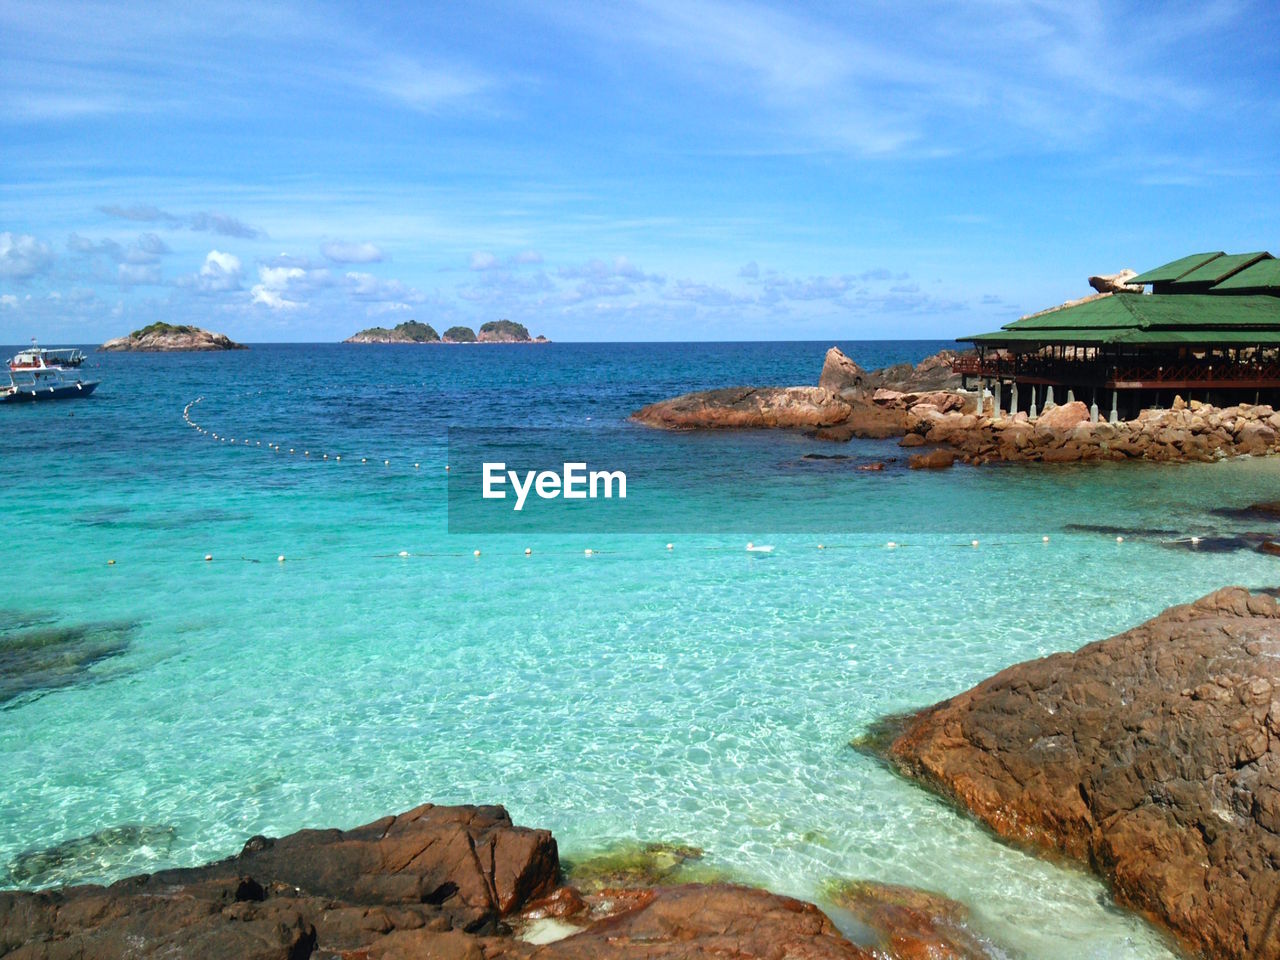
{"x":168,"y":337}
{"x":412,"y":331}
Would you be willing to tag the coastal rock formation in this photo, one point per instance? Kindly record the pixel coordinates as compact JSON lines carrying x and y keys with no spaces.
{"x":838,"y":404}
{"x":411,"y":331}
{"x":912,"y":924}
{"x":1153,"y":756}
{"x":748,"y":407}
{"x":444,"y":882}
{"x":1064,"y":434}
{"x":1115,"y":282}
{"x":166,"y":337}
{"x":839,"y":373}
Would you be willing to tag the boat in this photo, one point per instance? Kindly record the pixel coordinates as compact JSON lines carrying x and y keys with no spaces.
{"x":42,"y":374}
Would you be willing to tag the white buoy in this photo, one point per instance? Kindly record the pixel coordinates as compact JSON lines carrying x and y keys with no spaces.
{"x":477,"y":553}
{"x":973,"y":543}
{"x":326,"y":456}
{"x":280,"y":559}
{"x":415,"y":466}
{"x":403,"y":553}
{"x":111,"y":563}
{"x":527,"y":551}
{"x":337,"y":458}
{"x":291,"y":449}
{"x":671,"y":546}
{"x":822,"y":546}
{"x":208,"y":556}
{"x":588,"y":551}
{"x":761,"y":548}
{"x":364,"y":459}
{"x":386,"y":463}
{"x":1195,"y":540}
{"x":446,"y":468}
{"x":1119,"y":539}
{"x":891,"y":545}
{"x":1044,"y":539}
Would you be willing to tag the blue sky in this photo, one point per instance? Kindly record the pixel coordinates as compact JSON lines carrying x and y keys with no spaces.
{"x":652,"y":170}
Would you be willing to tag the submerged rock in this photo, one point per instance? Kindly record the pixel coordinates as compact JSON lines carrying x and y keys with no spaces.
{"x":97,"y":853}
{"x":1153,"y":756}
{"x":45,"y":658}
{"x":639,"y":865}
{"x":911,"y":924}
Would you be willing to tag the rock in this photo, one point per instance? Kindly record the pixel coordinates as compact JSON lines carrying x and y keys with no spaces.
{"x":912,"y":440}
{"x":865,"y":421}
{"x":873,"y":467}
{"x":1063,"y":417}
{"x":943,"y":401}
{"x":933,"y":460}
{"x":839,"y":373}
{"x":436,"y":882}
{"x":1153,"y":756}
{"x":708,"y":923}
{"x":752,"y":407}
{"x":38,"y":655}
{"x":95,"y":852}
{"x":912,"y":924}
{"x":165,"y":337}
{"x":636,"y":866}
{"x":1115,"y":282}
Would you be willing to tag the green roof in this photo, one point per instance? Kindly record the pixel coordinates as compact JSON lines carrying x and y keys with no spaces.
{"x":1263,"y":275}
{"x":1141,"y":319}
{"x":1219,"y":268}
{"x":1178,"y":268}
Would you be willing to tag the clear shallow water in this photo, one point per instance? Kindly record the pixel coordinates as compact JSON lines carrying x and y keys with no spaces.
{"x":701,"y":694}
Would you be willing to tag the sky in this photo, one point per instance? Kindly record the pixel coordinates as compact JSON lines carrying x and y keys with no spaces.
{"x":647,"y":170}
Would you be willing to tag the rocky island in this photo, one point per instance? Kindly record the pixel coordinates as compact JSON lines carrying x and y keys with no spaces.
{"x":411,"y":331}
{"x":168,"y":337}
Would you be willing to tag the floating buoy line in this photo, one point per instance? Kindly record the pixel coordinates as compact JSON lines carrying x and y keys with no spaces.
{"x":270,"y":445}
{"x":751,"y":548}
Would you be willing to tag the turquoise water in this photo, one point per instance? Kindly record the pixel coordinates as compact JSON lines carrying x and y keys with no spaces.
{"x":702,"y":694}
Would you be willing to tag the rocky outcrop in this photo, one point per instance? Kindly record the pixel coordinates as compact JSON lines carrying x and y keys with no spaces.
{"x":1153,"y":756}
{"x":453,"y":883}
{"x":912,"y":924}
{"x":839,"y":373}
{"x":748,"y":407}
{"x":840,"y":405}
{"x":1193,"y":432}
{"x":164,"y":338}
{"x":1115,"y":282}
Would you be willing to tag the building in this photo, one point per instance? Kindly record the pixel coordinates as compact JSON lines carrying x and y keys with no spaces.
{"x":1209,"y":329}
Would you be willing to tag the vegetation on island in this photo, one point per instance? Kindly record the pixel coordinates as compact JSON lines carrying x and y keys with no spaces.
{"x":460,"y":335}
{"x":160,"y":327}
{"x":411,"y":331}
{"x":504,"y":330}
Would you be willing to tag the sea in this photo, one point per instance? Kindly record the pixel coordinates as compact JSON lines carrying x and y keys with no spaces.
{"x":298,"y":623}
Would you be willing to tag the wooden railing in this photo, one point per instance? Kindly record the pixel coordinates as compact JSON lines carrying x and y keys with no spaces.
{"x":1094,"y":371}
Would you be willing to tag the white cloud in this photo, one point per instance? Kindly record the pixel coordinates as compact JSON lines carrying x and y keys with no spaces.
{"x":22,"y":256}
{"x":338,"y":251}
{"x":220,"y":272}
{"x":483,"y":260}
{"x":273,"y":288}
{"x":138,"y":274}
{"x":8,"y":300}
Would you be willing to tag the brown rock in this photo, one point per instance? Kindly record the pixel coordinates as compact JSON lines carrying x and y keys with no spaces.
{"x":933,"y":460}
{"x":912,"y":440}
{"x":747,"y":407}
{"x":1149,"y":756}
{"x":912,"y":924}
{"x":1115,"y":282}
{"x":839,"y":373}
{"x":1063,"y":417}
